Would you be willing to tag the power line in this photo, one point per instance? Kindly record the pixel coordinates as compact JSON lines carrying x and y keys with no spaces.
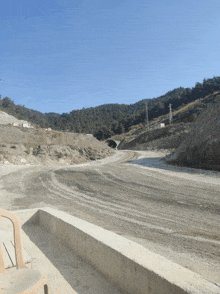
{"x":171,"y":116}
{"x":147,"y":116}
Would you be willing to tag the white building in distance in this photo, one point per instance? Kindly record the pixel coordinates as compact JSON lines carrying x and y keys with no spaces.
{"x":160,"y":125}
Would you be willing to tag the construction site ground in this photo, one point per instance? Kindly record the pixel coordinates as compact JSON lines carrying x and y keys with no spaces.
{"x":173,"y":211}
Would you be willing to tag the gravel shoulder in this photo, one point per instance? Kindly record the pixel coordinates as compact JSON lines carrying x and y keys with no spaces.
{"x":173,"y":211}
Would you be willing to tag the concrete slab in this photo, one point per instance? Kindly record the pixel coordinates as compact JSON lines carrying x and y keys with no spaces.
{"x":66,"y":271}
{"x":77,"y":255}
{"x":127,"y":264}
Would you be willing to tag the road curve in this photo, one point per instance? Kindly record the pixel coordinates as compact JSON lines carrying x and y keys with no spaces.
{"x":171,"y":211}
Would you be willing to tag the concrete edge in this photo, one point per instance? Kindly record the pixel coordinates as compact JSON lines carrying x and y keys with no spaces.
{"x":130,"y":266}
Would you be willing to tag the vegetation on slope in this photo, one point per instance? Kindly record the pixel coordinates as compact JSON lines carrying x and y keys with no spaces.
{"x":111,"y":119}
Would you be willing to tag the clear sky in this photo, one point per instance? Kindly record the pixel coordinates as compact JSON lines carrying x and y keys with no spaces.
{"x":61,"y":55}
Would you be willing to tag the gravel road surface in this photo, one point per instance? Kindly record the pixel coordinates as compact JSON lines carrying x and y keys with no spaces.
{"x":170,"y":210}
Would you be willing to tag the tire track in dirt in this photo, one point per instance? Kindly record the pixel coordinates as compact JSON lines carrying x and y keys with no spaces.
{"x":104,"y":207}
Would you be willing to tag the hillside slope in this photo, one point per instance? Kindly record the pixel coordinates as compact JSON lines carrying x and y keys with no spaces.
{"x":201,"y":147}
{"x":172,"y":135}
{"x":107,"y":120}
{"x":38,"y":146}
{"x":169,"y":137}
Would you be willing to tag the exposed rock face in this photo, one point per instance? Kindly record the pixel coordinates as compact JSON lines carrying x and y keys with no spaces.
{"x":169,"y":137}
{"x":37,"y":146}
{"x":201,"y":147}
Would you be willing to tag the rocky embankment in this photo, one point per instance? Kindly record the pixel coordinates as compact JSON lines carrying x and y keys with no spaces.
{"x":169,"y":137}
{"x":201,"y":147}
{"x":38,"y":146}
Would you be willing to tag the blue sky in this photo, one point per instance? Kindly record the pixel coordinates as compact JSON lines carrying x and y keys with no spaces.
{"x":61,"y":55}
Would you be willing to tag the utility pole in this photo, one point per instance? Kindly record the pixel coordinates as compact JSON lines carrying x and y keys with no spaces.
{"x":147,"y":116}
{"x":171,"y":117}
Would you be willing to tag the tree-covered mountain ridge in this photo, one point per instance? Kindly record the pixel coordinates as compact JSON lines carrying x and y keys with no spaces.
{"x":111,"y":119}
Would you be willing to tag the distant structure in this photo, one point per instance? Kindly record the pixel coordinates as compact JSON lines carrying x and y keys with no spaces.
{"x":171,"y":116}
{"x":26,"y":125}
{"x":15,"y":124}
{"x":23,"y":124}
{"x":113,"y":143}
{"x":160,"y":125}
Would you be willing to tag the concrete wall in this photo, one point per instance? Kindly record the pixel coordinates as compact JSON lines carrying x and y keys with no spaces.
{"x":130,"y":266}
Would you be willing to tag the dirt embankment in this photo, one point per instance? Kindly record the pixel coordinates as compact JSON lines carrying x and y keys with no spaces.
{"x":201,"y":148}
{"x":169,"y":137}
{"x":38,"y":146}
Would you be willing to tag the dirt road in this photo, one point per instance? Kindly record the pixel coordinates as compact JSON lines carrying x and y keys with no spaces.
{"x":172,"y":211}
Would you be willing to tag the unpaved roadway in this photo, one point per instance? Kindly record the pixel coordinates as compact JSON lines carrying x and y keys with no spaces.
{"x":172,"y":211}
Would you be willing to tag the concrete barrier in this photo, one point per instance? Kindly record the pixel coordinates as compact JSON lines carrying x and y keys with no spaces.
{"x":130,"y":266}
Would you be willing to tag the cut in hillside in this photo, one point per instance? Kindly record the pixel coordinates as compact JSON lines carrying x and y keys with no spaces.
{"x":201,"y":148}
{"x":172,"y":135}
{"x":169,"y":137}
{"x":38,"y":146}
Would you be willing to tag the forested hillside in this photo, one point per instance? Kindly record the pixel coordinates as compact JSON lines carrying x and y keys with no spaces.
{"x":111,"y":119}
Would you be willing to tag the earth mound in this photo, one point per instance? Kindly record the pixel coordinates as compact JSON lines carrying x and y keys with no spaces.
{"x":39,"y":146}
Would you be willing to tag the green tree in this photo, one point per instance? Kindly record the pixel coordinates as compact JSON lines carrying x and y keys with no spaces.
{"x":7,"y":102}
